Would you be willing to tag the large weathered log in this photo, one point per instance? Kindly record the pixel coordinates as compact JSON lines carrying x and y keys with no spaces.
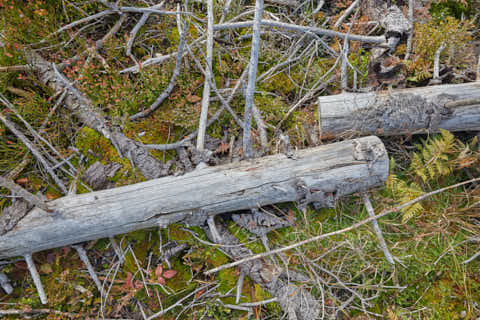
{"x":405,"y":111}
{"x":322,"y":174}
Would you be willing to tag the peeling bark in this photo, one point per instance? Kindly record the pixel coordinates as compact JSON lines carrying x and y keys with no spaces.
{"x":12,"y":214}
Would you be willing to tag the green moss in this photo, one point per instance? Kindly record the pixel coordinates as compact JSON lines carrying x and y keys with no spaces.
{"x":227,"y":279}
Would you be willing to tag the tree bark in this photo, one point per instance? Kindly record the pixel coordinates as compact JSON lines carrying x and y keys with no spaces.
{"x":405,"y":111}
{"x":321,"y":175}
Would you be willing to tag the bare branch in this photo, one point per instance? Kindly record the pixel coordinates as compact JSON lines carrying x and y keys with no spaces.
{"x":472,"y":258}
{"x":83,"y":256}
{"x":19,"y":191}
{"x":5,"y":283}
{"x":185,"y":141}
{"x":436,"y":65}
{"x":135,"y":30}
{"x":202,"y":127}
{"x":15,"y":68}
{"x":252,"y":77}
{"x":179,"y":302}
{"x":333,"y":233}
{"x":171,"y":84}
{"x":346,"y":13}
{"x":33,"y":150}
{"x":157,"y":60}
{"x":411,"y":5}
{"x":294,"y":27}
{"x":36,"y":278}
{"x":376,"y":227}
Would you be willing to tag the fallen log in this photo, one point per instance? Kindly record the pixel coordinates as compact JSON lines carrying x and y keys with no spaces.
{"x":405,"y":111}
{"x":321,"y":175}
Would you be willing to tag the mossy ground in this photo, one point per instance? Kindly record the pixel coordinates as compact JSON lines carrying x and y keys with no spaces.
{"x":432,"y":243}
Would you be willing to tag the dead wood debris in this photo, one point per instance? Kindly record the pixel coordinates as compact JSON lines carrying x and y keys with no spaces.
{"x":295,"y":300}
{"x":97,"y":175}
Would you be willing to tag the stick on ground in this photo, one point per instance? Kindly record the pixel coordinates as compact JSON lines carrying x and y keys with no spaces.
{"x":252,"y":77}
{"x":333,"y":233}
{"x":376,"y":227}
{"x":36,"y":278}
{"x":202,"y":126}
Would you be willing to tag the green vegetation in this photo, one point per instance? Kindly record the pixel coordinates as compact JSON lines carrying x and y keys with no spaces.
{"x":431,"y":238}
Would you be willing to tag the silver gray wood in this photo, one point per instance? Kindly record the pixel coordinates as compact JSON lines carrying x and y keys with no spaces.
{"x":404,"y":111}
{"x":321,"y":174}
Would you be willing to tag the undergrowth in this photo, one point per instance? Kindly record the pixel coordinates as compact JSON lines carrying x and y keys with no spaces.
{"x":431,"y":238}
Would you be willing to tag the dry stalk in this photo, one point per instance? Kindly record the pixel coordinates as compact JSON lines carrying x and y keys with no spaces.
{"x":333,"y":233}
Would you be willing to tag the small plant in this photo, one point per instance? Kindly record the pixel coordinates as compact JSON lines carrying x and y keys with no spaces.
{"x":441,"y":156}
{"x":437,"y":158}
{"x":164,"y":274}
{"x":428,"y":37}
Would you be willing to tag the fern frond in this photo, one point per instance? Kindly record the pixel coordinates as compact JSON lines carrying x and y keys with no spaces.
{"x":405,"y":192}
{"x":436,"y":158}
{"x":412,"y":211}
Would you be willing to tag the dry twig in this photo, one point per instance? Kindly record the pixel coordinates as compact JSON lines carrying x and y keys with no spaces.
{"x":202,"y":126}
{"x":333,"y":233}
{"x":252,"y":76}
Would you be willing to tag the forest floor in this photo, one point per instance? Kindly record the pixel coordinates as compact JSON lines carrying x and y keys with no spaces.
{"x":432,"y":240}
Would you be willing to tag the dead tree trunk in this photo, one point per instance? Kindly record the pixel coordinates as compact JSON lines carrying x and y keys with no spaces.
{"x":321,"y":174}
{"x":405,"y":111}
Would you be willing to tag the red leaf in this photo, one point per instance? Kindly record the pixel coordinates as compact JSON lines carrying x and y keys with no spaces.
{"x":199,"y":293}
{"x":128,"y":281}
{"x":169,"y":274}
{"x":193,"y":98}
{"x":161,"y":280}
{"x":159,"y":270}
{"x":22,"y":180}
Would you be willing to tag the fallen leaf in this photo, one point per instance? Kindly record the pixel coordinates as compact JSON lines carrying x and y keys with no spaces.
{"x":51,"y":196}
{"x":46,"y":268}
{"x":199,"y":293}
{"x":161,"y":280}
{"x":193,"y":98}
{"x":169,"y":274}
{"x":159,"y":270}
{"x":22,"y":180}
{"x":128,"y":281}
